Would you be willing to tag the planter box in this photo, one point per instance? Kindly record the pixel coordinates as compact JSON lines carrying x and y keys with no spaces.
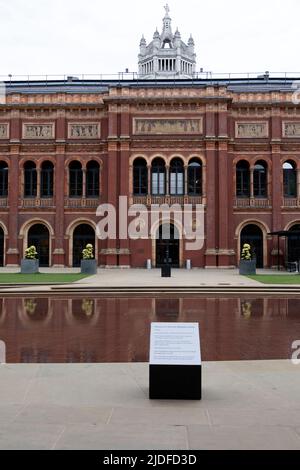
{"x":247,"y":268}
{"x":29,"y":266}
{"x":88,"y":266}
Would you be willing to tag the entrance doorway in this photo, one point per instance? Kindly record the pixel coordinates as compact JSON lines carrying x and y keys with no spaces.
{"x":1,"y":247}
{"x":294,"y":244}
{"x":253,"y":235}
{"x":167,"y":241}
{"x":38,"y":235}
{"x":83,"y":234}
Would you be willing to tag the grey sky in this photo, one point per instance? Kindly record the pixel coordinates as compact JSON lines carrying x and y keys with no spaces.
{"x":97,"y":36}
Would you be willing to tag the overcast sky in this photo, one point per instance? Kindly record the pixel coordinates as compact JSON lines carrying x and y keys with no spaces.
{"x":97,"y":36}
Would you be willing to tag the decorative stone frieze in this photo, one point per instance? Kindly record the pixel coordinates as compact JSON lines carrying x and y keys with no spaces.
{"x":38,"y":131}
{"x":168,"y":126}
{"x":89,"y":130}
{"x":251,"y":130}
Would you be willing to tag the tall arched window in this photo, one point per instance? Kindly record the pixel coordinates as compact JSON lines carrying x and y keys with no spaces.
{"x":47,"y":179}
{"x":30,"y":180}
{"x":260,"y":179}
{"x":289,"y":179}
{"x":177,"y":177}
{"x":75,"y":179}
{"x":92,"y":179}
{"x":158,"y":177}
{"x":243,"y":179}
{"x":195,"y":177}
{"x":3,"y":179}
{"x":140,"y":177}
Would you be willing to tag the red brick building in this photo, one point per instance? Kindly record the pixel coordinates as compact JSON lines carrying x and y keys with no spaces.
{"x":68,"y":146}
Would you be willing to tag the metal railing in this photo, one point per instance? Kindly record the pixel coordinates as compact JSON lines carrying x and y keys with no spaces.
{"x":135,"y":76}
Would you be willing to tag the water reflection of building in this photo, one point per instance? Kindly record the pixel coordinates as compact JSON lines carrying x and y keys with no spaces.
{"x":117,"y":329}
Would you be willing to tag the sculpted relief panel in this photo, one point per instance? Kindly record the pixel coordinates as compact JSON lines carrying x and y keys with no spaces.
{"x":252,"y":130}
{"x":291,"y":129}
{"x":3,"y":131}
{"x":38,"y":131}
{"x":84,"y":131}
{"x":167,"y":126}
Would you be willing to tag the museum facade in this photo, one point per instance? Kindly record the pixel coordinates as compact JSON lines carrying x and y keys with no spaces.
{"x":68,"y":146}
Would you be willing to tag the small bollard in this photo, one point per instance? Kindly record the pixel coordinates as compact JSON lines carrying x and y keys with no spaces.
{"x":149,"y":265}
{"x":188,"y":264}
{"x":2,"y":352}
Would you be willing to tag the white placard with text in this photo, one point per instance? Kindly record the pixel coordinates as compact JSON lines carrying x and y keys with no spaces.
{"x":175,"y":344}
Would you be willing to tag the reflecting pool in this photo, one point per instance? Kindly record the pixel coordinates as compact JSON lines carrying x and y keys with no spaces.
{"x":98,"y":329}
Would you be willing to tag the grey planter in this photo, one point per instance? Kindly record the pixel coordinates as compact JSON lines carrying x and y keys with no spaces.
{"x":88,"y":266}
{"x":29,"y":266}
{"x":247,"y":268}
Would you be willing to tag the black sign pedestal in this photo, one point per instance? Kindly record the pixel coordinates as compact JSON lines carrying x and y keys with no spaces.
{"x":175,"y":383}
{"x":166,"y":270}
{"x":175,"y":370}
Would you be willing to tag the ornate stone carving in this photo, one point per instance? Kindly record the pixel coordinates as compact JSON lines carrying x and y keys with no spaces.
{"x":38,"y":131}
{"x":291,"y":129}
{"x":3,"y":131}
{"x":89,"y":130}
{"x":251,"y":130}
{"x":169,"y":126}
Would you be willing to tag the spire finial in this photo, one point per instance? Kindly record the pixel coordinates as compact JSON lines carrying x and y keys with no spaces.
{"x":167,"y":8}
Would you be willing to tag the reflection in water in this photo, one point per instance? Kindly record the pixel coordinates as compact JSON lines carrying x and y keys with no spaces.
{"x":51,"y":330}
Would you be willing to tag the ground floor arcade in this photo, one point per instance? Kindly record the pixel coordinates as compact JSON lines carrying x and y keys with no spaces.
{"x":157,"y":248}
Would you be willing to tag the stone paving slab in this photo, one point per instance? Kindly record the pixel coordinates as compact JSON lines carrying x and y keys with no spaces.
{"x":245,"y":405}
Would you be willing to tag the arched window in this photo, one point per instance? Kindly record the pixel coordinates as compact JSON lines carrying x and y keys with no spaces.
{"x":30,"y":180}
{"x":289,"y":179}
{"x":75,"y":179}
{"x":195,"y":177}
{"x":243,"y":179}
{"x":47,"y":179}
{"x":176,"y":177}
{"x":260,"y":179}
{"x":3,"y":179}
{"x":92,"y":179}
{"x":158,"y":177}
{"x":140,"y":177}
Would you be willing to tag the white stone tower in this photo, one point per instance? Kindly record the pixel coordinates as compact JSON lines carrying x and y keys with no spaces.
{"x":167,"y":56}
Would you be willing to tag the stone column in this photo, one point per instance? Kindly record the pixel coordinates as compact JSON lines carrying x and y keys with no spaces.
{"x":276,"y":184}
{"x":185,"y":180}
{"x":12,"y":254}
{"x":59,"y":259}
{"x":167,"y":191}
{"x":149,"y":179}
{"x":251,"y":182}
{"x":224,"y":203}
{"x":38,"y":178}
{"x":84,"y":184}
{"x":124,"y":253}
{"x":211,"y":212}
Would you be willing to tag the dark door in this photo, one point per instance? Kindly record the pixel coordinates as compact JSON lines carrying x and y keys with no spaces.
{"x":163,"y":245}
{"x":253,"y":235}
{"x":83,"y":235}
{"x":294,"y":245}
{"x":38,"y":236}
{"x":1,"y":247}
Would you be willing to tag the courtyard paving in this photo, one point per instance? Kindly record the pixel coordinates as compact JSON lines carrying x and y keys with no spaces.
{"x":246,"y":405}
{"x":150,"y":278}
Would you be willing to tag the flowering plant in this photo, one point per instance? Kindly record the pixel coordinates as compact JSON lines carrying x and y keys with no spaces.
{"x":246,"y":252}
{"x":87,"y":253}
{"x":31,"y":253}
